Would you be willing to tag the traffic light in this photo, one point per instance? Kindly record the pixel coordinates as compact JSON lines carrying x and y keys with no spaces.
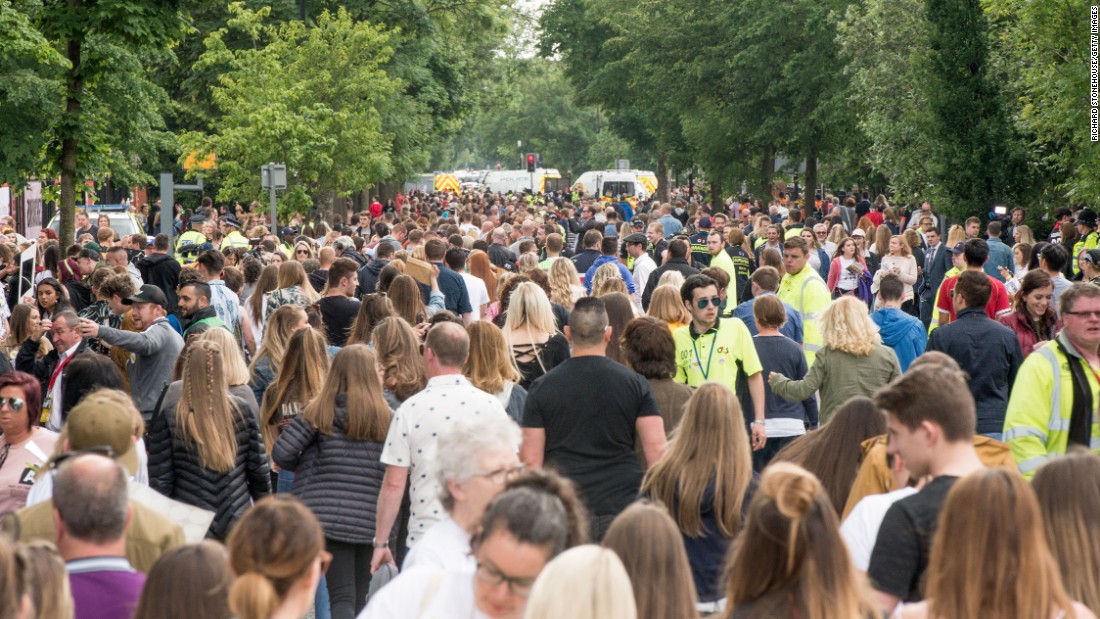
{"x":532,"y":160}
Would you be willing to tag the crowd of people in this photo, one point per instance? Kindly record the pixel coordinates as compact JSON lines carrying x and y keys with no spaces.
{"x":476,"y":405}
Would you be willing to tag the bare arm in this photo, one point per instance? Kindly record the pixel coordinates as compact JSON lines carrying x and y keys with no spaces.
{"x":533,"y":451}
{"x":885,"y":601}
{"x":756,"y":390}
{"x":651,"y":432}
{"x":389,"y":502}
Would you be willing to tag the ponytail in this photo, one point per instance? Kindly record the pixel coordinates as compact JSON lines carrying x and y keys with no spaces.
{"x":253,"y":596}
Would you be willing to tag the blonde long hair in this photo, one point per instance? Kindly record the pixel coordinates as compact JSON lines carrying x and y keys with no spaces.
{"x":846,"y":326}
{"x":206,"y":415}
{"x":354,"y":376}
{"x":398,"y":351}
{"x":529,"y":308}
{"x":490,"y":363}
{"x":292,"y":273}
{"x":605,"y":273}
{"x":281,"y":324}
{"x":301,"y":376}
{"x":584,"y":582}
{"x":563,"y":280}
{"x":665,"y":305}
{"x":792,"y":541}
{"x":1070,"y":499}
{"x":993,"y":561}
{"x":709,"y":445}
{"x":236,"y":370}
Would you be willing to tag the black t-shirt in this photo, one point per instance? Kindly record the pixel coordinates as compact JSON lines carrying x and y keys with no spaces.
{"x":338,"y":313}
{"x":588,"y":407}
{"x":904,"y":541}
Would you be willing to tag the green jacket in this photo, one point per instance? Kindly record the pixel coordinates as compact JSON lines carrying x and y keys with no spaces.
{"x":839,"y":376}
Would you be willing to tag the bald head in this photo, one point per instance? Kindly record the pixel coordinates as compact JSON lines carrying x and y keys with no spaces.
{"x":450,"y":344}
{"x":327,"y":256}
{"x":499,"y":235}
{"x":90,"y":499}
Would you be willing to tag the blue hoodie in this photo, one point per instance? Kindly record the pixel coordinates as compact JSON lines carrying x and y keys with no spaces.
{"x":602,"y":260}
{"x":902,"y":332}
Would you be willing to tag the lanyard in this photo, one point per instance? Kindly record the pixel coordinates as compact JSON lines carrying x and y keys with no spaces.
{"x":710,"y":356}
{"x":57,"y":371}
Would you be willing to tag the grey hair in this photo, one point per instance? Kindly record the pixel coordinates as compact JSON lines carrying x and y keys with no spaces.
{"x":92,"y":506}
{"x":70,"y":318}
{"x":456,"y":456}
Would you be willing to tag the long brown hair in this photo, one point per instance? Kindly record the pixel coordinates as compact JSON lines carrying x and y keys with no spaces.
{"x":792,"y":542}
{"x":188,"y":581}
{"x":292,"y":273}
{"x":652,"y":551}
{"x":833,"y":451}
{"x":372,"y":310}
{"x":480,"y":267}
{"x":354,"y":376}
{"x":206,"y":415}
{"x":281,"y":324}
{"x":1069,"y":499}
{"x":301,"y":376}
{"x":406,"y":299}
{"x":267,"y":282}
{"x":398,"y":351}
{"x":710,"y":446}
{"x":490,"y":362}
{"x":993,"y":561}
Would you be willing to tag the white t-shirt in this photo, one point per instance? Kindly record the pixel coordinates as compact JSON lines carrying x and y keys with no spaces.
{"x":860,"y":528}
{"x":479,"y":294}
{"x":848,"y":280}
{"x":413,"y":435}
{"x":445,"y":546}
{"x":425,"y":593}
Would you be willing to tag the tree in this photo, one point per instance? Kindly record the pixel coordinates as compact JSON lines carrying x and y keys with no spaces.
{"x":109,"y":118}
{"x":314,"y":98}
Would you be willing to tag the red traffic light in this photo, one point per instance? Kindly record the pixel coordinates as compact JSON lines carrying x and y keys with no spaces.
{"x":530,"y":158}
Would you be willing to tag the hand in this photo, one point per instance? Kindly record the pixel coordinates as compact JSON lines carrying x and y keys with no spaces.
{"x":435,"y":273}
{"x":759,"y":436}
{"x":42,"y":329}
{"x":381,"y":557}
{"x":88,"y":328}
{"x":1005,"y":273}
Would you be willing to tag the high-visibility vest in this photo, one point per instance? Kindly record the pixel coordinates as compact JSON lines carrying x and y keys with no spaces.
{"x":809,"y":294}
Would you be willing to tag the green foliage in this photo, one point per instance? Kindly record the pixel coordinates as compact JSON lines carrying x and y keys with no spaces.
{"x":314,"y":98}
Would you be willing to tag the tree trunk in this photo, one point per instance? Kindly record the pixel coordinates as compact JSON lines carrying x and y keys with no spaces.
{"x":717,"y":204}
{"x":662,"y":177}
{"x":811,"y":183}
{"x":74,"y":89}
{"x":767,"y":173}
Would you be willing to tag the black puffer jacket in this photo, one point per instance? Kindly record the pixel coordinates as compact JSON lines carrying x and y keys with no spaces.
{"x":336,"y":477}
{"x":175,"y":471}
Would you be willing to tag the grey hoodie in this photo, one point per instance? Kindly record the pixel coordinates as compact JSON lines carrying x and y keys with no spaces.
{"x":150,"y":367}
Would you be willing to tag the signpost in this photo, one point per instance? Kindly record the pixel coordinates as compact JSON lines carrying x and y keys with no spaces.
{"x":168,"y":189}
{"x":272,"y":177}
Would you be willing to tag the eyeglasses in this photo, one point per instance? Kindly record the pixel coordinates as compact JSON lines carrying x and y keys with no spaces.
{"x":493,"y":577}
{"x":500,"y":476}
{"x":1084,"y":314}
{"x":98,"y":450}
{"x":16,"y":404}
{"x":715,"y":301}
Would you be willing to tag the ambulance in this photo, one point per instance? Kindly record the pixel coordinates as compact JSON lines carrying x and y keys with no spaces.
{"x":517,"y":181}
{"x":608,"y":184}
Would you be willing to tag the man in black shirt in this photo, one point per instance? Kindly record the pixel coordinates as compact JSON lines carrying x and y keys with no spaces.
{"x":338,"y":308}
{"x":930,"y":420}
{"x":500,"y":255}
{"x":583,"y":417}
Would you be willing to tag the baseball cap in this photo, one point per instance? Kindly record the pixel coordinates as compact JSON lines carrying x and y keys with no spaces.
{"x":959,"y":248}
{"x":286,"y":231}
{"x":635,"y":238}
{"x":704,"y":222}
{"x":148,"y":294}
{"x":98,"y":421}
{"x":859,"y":232}
{"x":637,"y":222}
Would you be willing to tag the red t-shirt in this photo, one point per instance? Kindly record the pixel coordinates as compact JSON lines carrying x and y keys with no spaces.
{"x":375,"y":209}
{"x":875,"y":217}
{"x":998,"y":298}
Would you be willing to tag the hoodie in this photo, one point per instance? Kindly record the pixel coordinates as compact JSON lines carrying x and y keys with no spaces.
{"x":368,"y":276}
{"x":902,"y":332}
{"x":599,"y":262}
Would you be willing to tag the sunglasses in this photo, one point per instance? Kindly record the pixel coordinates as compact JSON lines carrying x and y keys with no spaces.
{"x":715,"y":301}
{"x":16,"y":404}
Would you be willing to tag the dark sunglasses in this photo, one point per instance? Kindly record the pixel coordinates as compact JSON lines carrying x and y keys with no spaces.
{"x":99,"y":450}
{"x":16,"y":404}
{"x":715,"y":301}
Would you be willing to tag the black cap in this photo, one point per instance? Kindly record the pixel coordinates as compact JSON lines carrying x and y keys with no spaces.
{"x":197,"y":218}
{"x":959,"y":248}
{"x":286,"y":231}
{"x":1086,"y":216}
{"x":148,"y":294}
{"x":230,"y":220}
{"x":637,"y":222}
{"x":632,"y":239}
{"x":89,"y":253}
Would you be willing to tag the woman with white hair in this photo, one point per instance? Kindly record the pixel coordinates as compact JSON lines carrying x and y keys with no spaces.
{"x":853,"y":360}
{"x":473,"y":461}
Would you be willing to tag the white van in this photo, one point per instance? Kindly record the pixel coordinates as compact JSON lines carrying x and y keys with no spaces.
{"x":611,"y":183}
{"x":518,"y":181}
